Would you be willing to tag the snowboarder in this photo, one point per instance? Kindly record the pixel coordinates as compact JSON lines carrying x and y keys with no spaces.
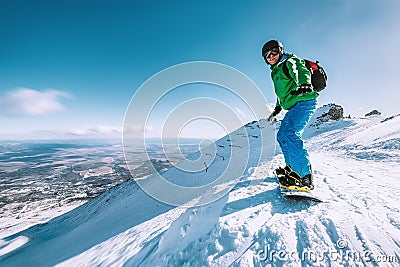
{"x":296,"y":95}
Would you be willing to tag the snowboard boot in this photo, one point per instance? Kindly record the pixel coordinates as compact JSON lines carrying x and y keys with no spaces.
{"x":283,"y":171}
{"x":286,"y":180}
{"x":282,"y":175}
{"x":293,"y":181}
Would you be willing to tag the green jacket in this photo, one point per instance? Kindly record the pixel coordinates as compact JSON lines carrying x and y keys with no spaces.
{"x":283,"y":84}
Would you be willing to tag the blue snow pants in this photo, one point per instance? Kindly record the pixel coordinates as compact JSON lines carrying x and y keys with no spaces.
{"x":289,"y":136}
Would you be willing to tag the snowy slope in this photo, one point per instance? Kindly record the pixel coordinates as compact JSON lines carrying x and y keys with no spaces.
{"x":357,"y":170}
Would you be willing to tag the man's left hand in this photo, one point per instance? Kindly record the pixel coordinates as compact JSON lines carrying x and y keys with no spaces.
{"x":303,"y":89}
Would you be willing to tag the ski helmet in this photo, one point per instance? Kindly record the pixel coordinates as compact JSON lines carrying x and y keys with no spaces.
{"x":271,"y":44}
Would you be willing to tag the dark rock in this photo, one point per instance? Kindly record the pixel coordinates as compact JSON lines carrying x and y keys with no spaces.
{"x":374,"y":112}
{"x":327,"y":113}
{"x":390,"y":118}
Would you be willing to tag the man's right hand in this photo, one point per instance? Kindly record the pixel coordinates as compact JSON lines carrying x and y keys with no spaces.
{"x":274,"y":113}
{"x":271,"y":117}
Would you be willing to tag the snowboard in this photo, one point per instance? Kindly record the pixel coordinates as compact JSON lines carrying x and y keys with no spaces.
{"x":299,"y":195}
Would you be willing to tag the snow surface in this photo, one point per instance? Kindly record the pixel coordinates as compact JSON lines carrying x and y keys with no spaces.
{"x":357,"y":171}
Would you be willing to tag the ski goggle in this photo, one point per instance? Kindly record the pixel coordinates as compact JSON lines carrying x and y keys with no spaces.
{"x":273,"y":52}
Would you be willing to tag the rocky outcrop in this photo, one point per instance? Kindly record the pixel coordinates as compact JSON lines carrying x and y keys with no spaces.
{"x":374,"y":112}
{"x":327,"y":113}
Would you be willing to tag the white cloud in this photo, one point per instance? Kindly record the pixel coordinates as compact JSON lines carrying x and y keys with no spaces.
{"x":138,"y":131}
{"x":26,"y":101}
{"x":97,"y":131}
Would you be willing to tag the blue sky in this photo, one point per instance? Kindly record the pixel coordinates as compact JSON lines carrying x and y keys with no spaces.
{"x":70,"y":68}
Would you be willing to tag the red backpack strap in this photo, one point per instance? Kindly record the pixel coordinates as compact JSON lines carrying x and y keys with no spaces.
{"x":311,"y":65}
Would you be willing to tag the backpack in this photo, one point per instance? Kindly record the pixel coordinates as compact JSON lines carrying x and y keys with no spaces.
{"x":319,"y":78}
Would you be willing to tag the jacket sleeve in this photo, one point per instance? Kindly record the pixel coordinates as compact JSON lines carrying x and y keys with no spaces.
{"x":298,"y":71}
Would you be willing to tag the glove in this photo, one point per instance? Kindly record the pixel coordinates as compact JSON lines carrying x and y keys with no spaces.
{"x":274,"y":113}
{"x":303,"y":89}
